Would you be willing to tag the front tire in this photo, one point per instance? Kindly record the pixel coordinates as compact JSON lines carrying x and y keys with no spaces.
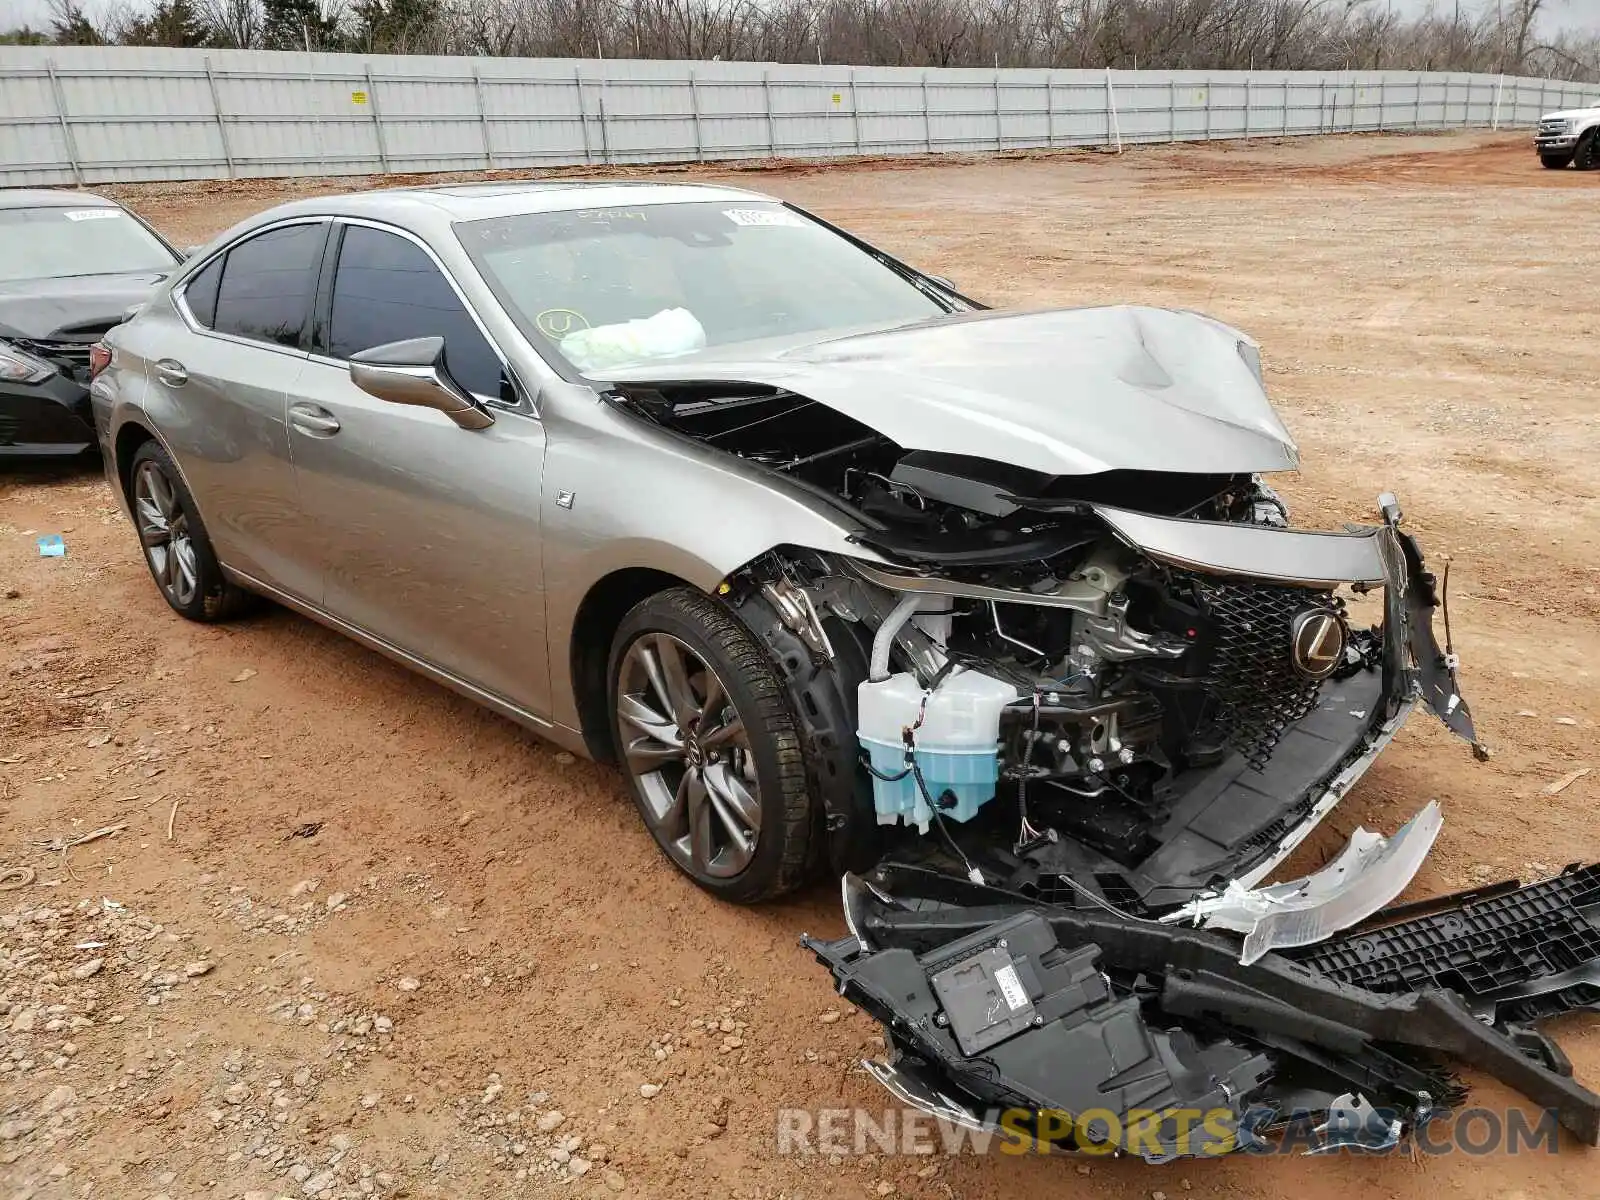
{"x":177,"y":548}
{"x":705,"y":736}
{"x":1555,"y":162}
{"x":1585,"y":157}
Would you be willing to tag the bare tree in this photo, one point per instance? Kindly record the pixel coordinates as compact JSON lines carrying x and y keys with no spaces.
{"x":235,"y":24}
{"x":1171,"y":34}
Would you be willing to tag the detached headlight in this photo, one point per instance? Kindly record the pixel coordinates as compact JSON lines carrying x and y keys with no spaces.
{"x":17,"y":366}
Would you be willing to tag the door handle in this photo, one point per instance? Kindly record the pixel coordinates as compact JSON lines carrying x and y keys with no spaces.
{"x":171,"y":372}
{"x":313,"y":419}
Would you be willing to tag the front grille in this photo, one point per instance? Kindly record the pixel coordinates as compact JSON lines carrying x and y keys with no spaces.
{"x":70,"y":358}
{"x":1552,"y":128}
{"x":1250,"y":677}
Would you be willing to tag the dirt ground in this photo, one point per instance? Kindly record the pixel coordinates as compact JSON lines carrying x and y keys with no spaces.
{"x":354,"y":936}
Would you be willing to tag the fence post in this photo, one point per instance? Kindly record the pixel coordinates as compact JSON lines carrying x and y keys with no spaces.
{"x":1113,"y":126}
{"x":1172,"y":110}
{"x":1383,"y":87}
{"x":216,"y":107}
{"x":583,"y":117}
{"x":483,"y":116}
{"x":1246,"y":105}
{"x":1499,"y":90}
{"x":694,"y":108}
{"x":999,"y":121}
{"x":1208,"y":109}
{"x":377,"y":119}
{"x":61,"y":115}
{"x":1416,"y":112}
{"x":605,"y":134}
{"x":927,"y":116}
{"x":772,"y":134}
{"x":1284,"y":126}
{"x":855,"y":110}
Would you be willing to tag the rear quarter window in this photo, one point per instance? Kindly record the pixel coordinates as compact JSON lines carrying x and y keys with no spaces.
{"x":200,"y":293}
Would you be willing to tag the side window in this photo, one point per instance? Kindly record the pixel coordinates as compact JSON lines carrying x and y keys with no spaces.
{"x":386,"y":289}
{"x":267,"y":282}
{"x":200,"y":293}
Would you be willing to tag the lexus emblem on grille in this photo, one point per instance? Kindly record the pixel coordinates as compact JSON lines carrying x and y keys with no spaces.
{"x":1316,"y":642}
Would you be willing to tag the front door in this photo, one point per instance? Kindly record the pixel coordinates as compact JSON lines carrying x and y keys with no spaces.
{"x":428,"y":533}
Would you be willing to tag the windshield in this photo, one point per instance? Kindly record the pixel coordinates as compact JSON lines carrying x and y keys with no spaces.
{"x":608,"y":287}
{"x":49,"y":243}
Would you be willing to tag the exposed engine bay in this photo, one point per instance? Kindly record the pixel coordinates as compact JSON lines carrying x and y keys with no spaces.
{"x":1021,"y":671}
{"x":1063,"y":727}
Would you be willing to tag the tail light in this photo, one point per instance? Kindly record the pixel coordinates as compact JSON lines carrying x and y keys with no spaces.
{"x":99,"y":358}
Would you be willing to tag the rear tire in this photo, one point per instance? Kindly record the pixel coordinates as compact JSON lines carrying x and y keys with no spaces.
{"x":177,"y":548}
{"x":1585,"y":157}
{"x":711,"y":750}
{"x":1555,"y":162}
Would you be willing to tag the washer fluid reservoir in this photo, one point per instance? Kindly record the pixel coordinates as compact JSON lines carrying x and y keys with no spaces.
{"x":957,"y":745}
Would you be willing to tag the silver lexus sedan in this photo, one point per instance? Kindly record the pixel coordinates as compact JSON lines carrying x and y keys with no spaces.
{"x":833,"y":561}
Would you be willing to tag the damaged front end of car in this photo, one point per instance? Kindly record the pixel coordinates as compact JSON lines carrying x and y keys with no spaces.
{"x":1064,"y":720}
{"x":1152,"y":710}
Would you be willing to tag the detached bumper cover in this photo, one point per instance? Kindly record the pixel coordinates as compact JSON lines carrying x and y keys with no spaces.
{"x":1093,"y":1030}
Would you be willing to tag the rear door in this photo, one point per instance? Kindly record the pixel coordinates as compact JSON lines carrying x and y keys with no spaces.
{"x":220,"y":368}
{"x":429,"y":533}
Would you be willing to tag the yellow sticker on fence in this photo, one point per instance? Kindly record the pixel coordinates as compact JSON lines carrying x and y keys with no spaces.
{"x":837,"y":98}
{"x":358,"y":97}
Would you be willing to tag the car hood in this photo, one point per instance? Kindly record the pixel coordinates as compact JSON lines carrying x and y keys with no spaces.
{"x":1063,"y":392}
{"x":76,"y":307}
{"x":1568,"y":113}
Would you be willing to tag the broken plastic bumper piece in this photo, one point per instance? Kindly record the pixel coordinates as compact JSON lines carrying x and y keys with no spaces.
{"x":1102,"y":1031}
{"x":1367,"y":875}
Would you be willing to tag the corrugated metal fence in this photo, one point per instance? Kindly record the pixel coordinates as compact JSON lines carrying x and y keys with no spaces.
{"x":92,"y":114}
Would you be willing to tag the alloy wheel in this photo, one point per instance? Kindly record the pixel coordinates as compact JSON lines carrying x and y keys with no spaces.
{"x":687,"y":749}
{"x":165,"y":535}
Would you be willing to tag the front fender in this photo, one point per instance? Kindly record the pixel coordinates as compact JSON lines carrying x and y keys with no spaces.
{"x":619,"y":494}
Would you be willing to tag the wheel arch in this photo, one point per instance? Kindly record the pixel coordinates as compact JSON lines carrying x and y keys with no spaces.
{"x":129,"y":438}
{"x":594,"y":625}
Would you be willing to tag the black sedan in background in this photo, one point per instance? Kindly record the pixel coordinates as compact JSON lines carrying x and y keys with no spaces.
{"x":71,"y":265}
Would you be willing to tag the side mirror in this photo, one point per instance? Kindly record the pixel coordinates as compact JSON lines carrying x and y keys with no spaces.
{"x":413,"y":372}
{"x":190,"y":251}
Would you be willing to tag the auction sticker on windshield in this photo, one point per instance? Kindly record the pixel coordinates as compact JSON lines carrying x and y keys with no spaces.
{"x":92,"y":214}
{"x":762,"y":216}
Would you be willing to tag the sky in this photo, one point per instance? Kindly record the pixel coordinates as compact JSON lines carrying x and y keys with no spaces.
{"x":1559,"y":14}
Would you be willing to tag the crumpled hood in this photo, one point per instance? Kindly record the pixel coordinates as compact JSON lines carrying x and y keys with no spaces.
{"x":73,"y":307}
{"x":1063,"y":392}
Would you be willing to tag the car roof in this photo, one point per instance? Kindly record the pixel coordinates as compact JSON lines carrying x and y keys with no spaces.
{"x":480,"y":201}
{"x":48,"y":198}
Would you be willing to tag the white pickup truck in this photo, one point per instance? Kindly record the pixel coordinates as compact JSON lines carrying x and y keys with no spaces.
{"x":1569,"y":136}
